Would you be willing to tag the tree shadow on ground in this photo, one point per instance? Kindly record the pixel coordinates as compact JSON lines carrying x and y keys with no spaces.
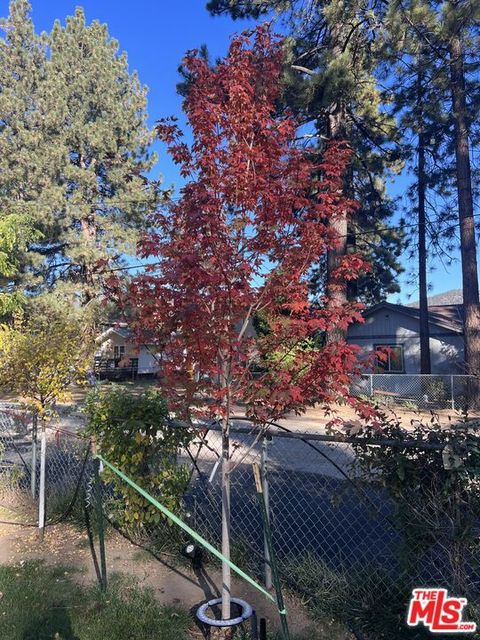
{"x":54,"y":625}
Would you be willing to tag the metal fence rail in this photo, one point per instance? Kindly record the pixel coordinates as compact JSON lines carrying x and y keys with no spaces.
{"x":419,"y":391}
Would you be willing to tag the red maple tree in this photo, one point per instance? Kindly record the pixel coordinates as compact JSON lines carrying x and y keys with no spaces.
{"x":253,"y":218}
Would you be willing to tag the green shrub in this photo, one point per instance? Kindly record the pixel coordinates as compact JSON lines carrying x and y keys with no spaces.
{"x":133,"y":434}
{"x":436,"y":389}
{"x":436,"y":493}
{"x":365,"y":598}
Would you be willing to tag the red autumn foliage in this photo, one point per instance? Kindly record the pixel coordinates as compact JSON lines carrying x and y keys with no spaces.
{"x":253,"y":217}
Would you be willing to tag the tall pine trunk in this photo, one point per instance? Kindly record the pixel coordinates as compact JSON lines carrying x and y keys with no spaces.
{"x":425,"y":364}
{"x":89,"y":233}
{"x":337,"y":291}
{"x":465,"y":206}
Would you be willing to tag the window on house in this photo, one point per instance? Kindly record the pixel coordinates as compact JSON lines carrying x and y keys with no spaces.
{"x":134,"y":363}
{"x":393,"y":360}
{"x":118,"y":351}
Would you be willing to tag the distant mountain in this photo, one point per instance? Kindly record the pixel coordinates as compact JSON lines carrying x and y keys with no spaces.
{"x":449,"y":297}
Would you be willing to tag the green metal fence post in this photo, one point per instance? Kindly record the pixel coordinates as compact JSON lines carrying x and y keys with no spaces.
{"x":266,"y":499}
{"x":273,"y":564}
{"x":100,"y":523}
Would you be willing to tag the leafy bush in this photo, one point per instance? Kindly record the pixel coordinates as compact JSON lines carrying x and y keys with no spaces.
{"x":436,"y":493}
{"x":133,"y":434}
{"x":436,"y":389}
{"x":47,"y":348}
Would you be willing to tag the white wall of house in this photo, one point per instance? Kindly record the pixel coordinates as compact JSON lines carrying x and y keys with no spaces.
{"x":147,"y":362}
{"x":390,"y":327}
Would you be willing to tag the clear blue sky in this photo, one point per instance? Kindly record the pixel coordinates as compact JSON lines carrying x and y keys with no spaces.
{"x":156,"y":35}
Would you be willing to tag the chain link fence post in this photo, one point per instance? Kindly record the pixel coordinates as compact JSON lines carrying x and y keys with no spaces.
{"x":264,"y":470}
{"x":43,"y":466}
{"x":33,"y":474}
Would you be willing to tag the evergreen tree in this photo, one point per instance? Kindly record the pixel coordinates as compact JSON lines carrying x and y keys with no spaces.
{"x":104,"y":140}
{"x":27,"y":159}
{"x":330,"y":82}
{"x":448,"y":32}
{"x":419,"y":95}
{"x":461,"y":20}
{"x":74,"y":151}
{"x":15,"y":232}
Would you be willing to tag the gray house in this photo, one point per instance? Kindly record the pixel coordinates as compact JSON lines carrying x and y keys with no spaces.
{"x":397,"y":327}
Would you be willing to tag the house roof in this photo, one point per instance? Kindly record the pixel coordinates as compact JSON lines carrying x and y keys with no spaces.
{"x":447,"y":316}
{"x":122,"y":331}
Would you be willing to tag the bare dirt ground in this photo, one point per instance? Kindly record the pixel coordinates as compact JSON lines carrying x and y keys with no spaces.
{"x":173,"y":582}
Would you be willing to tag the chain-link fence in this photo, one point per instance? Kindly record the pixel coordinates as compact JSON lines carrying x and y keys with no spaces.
{"x":357,"y":522}
{"x":419,"y":391}
{"x":28,"y":478}
{"x":16,"y":503}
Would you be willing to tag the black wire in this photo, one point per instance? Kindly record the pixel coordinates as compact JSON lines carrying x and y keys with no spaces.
{"x":91,"y":543}
{"x":69,"y":509}
{"x":356,"y":233}
{"x":332,"y":462}
{"x":365,"y":232}
{"x":19,"y":524}
{"x":16,"y":449}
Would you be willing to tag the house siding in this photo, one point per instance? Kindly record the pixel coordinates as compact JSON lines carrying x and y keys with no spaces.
{"x":390,"y":327}
{"x":147,"y":362}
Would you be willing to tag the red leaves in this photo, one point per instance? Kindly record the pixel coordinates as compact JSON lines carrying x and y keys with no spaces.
{"x":350,"y":266}
{"x":250,"y":223}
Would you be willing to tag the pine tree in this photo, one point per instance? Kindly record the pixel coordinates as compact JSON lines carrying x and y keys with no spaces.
{"x":449,"y":33}
{"x":419,"y":105}
{"x":74,"y":152}
{"x":334,"y":52}
{"x":105,"y":141}
{"x":460,"y":25}
{"x":27,"y":160}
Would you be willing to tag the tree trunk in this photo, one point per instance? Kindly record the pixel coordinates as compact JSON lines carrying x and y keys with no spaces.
{"x":89,"y":233}
{"x":465,"y":206}
{"x":226,"y":573}
{"x":337,"y":290}
{"x":425,"y":365}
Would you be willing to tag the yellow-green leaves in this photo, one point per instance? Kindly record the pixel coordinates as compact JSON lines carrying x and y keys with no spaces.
{"x":133,"y":432}
{"x":43,"y":351}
